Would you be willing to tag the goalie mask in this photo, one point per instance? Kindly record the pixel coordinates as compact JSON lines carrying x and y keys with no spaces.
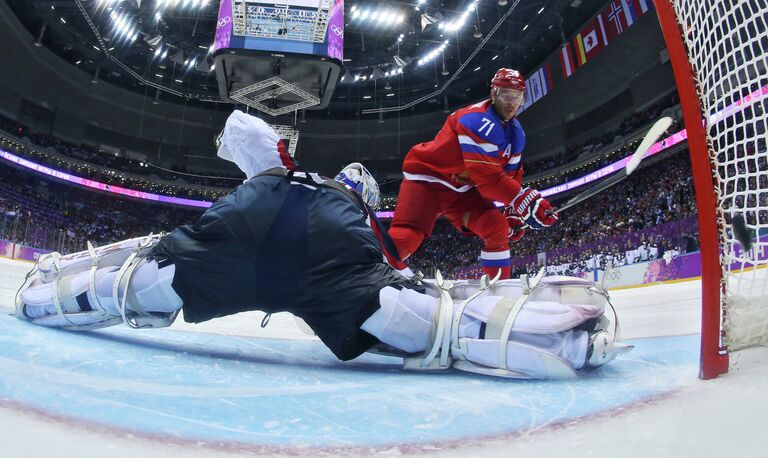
{"x":356,"y":177}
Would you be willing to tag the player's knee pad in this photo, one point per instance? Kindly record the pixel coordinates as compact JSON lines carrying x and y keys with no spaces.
{"x":94,"y":288}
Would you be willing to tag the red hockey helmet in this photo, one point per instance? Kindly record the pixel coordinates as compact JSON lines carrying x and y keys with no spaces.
{"x":507,"y":77}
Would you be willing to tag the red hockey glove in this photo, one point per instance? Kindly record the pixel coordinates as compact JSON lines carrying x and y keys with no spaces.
{"x":535,"y":210}
{"x":516,"y":225}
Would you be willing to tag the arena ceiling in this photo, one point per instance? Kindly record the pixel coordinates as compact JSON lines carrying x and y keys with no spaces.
{"x":161,"y":47}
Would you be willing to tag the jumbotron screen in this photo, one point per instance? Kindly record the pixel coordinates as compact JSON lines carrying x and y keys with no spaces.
{"x":312,"y":27}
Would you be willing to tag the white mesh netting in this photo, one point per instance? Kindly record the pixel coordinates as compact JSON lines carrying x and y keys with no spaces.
{"x":728,"y":50}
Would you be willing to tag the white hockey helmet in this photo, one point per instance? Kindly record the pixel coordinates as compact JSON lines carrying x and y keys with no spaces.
{"x":357,"y":178}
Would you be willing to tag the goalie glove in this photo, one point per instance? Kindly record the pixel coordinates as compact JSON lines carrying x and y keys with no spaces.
{"x":535,"y":210}
{"x":516,"y":225}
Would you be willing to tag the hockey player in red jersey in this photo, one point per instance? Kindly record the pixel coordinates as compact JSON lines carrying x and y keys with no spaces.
{"x":473,"y":161}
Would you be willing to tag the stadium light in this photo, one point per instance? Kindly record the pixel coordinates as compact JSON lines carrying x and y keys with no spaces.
{"x":381,"y":16}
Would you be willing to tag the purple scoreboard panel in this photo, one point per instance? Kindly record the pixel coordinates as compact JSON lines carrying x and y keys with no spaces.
{"x":277,"y":28}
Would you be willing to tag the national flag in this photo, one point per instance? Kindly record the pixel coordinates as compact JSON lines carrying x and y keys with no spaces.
{"x":614,"y":12}
{"x":566,"y":60}
{"x":539,"y":83}
{"x":591,"y":40}
{"x":630,"y":11}
{"x":603,"y":35}
{"x":578,"y":43}
{"x":645,"y":5}
{"x":630,"y":15}
{"x":528,"y":99}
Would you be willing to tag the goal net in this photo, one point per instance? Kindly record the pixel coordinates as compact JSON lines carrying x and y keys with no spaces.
{"x":719,"y":50}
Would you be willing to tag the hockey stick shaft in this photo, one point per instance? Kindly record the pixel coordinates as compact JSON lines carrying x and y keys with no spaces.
{"x":654,"y":133}
{"x":594,"y":190}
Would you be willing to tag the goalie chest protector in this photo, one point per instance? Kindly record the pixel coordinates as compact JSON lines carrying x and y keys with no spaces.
{"x":283,"y":244}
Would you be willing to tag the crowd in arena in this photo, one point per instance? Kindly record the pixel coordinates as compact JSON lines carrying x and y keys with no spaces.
{"x":647,"y":216}
{"x":591,"y":147}
{"x":629,"y":224}
{"x":112,"y":167}
{"x":116,"y":168}
{"x":44,"y":214}
{"x":643,"y":218}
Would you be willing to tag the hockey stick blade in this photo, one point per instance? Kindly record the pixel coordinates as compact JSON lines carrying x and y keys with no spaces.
{"x":653,"y":135}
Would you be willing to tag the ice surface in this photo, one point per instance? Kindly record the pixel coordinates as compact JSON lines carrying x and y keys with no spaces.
{"x":228,"y":387}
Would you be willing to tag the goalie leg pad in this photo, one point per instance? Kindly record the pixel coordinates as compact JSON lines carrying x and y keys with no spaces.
{"x":404,"y":319}
{"x":524,"y":361}
{"x":70,"y":293}
{"x":115,"y":254}
{"x":533,"y":336}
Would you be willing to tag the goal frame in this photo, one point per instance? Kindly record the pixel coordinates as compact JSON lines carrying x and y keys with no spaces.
{"x":714,"y":356}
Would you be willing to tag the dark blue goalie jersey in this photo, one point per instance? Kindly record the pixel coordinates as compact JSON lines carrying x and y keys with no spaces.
{"x":284,"y":244}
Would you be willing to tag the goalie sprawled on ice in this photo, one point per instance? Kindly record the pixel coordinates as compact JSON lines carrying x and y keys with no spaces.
{"x":287,"y":240}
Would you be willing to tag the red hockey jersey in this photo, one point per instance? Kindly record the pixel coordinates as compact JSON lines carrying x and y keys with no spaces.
{"x":473,"y":149}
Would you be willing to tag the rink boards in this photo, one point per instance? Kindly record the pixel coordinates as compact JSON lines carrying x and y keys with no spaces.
{"x":257,"y":392}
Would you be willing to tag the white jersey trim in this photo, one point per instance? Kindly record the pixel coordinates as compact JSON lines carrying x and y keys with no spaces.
{"x":494,"y":255}
{"x":431,"y":179}
{"x":487,"y":147}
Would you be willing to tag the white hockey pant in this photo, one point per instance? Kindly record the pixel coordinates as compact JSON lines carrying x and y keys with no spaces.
{"x":100,"y":287}
{"x":545,"y":334}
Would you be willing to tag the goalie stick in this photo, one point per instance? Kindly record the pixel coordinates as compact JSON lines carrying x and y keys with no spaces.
{"x":656,"y":131}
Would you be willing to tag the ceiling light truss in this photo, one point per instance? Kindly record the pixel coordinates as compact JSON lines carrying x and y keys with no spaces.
{"x":254,"y":94}
{"x":458,"y":71}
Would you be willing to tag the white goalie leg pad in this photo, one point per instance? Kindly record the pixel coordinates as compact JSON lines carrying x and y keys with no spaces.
{"x":532,"y":335}
{"x":79,"y":295}
{"x":114,"y":254}
{"x":404,"y":320}
{"x":463,"y":289}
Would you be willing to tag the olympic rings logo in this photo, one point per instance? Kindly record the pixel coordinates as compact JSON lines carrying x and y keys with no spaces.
{"x":338,"y":31}
{"x":224,"y":21}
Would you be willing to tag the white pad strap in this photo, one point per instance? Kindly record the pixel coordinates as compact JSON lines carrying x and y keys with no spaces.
{"x":124,"y":278}
{"x":57,"y":290}
{"x":459,"y":313}
{"x":512,"y":316}
{"x":93,"y":298}
{"x":440,"y":336}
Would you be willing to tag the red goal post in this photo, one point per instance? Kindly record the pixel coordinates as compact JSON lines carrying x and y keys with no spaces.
{"x":718,"y":52}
